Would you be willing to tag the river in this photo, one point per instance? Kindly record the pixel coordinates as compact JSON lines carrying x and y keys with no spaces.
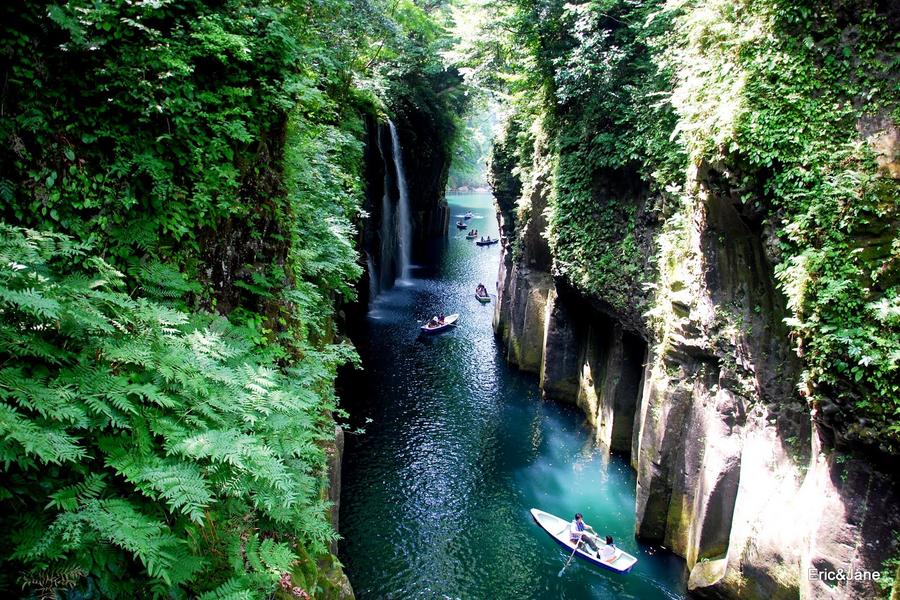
{"x":458,"y":447}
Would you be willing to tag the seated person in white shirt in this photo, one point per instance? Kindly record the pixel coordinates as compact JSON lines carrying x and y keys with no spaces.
{"x":607,"y":552}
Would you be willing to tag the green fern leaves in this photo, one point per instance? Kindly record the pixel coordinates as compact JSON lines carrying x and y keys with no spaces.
{"x":145,"y":447}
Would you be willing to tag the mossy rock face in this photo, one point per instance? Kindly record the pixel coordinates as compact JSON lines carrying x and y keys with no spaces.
{"x":712,"y":580}
{"x":333,"y":581}
{"x":322,"y":578}
{"x":895,"y":593}
{"x":513,"y":349}
{"x":706,"y":573}
{"x":678,"y":523}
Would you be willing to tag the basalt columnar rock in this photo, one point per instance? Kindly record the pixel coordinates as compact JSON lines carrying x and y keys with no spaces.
{"x":337,"y":581}
{"x":734,"y":472}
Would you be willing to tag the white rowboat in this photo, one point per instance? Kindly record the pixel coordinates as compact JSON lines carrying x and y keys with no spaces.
{"x":558,"y":529}
{"x":449,"y":321}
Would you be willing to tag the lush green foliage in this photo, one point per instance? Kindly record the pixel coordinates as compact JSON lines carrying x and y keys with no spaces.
{"x":643,"y":103}
{"x":406,"y":69}
{"x":145,"y":446}
{"x":183,"y":160}
{"x":889,"y":581}
{"x":838,"y":214}
{"x":590,"y":84}
{"x":140,"y":124}
{"x":779,"y":115}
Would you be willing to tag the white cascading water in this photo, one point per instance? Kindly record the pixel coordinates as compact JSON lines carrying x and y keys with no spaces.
{"x":374,"y":283}
{"x":387,"y":222}
{"x":404,"y":224}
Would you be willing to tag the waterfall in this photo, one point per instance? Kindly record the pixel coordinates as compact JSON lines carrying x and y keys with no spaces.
{"x":388,"y":258}
{"x":386,"y":252}
{"x":374,"y":284}
{"x":404,"y":221}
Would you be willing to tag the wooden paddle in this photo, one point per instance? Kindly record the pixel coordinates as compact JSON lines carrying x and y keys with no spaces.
{"x":570,"y":558}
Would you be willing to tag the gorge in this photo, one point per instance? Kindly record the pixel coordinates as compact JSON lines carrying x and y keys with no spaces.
{"x":223,"y":223}
{"x":656,"y":288}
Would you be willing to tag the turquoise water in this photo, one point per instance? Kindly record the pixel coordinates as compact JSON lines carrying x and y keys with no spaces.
{"x":458,"y":447}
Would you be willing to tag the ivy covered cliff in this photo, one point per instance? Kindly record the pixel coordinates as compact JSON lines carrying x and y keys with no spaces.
{"x":181,"y":184}
{"x":700,"y":202}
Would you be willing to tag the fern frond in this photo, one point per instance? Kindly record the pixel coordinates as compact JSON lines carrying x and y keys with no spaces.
{"x":233,"y":589}
{"x":277,"y":557}
{"x":30,"y":301}
{"x":172,"y":429}
{"x":121,"y":524}
{"x":160,"y":281}
{"x":71,"y":497}
{"x":151,"y":393}
{"x":56,"y":402}
{"x":240,"y":451}
{"x":181,"y":485}
{"x":49,"y":443}
{"x":23,"y":343}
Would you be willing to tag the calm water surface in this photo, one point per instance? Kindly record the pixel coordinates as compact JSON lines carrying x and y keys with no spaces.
{"x":458,"y":447}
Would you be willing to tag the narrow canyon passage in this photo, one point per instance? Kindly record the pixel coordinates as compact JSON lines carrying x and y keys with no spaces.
{"x":460,"y":446}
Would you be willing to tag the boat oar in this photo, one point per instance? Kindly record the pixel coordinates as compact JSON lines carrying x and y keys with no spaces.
{"x":570,"y":558}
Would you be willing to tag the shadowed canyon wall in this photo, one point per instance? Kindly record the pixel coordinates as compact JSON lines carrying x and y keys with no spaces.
{"x":425,"y":168}
{"x":699,"y":386}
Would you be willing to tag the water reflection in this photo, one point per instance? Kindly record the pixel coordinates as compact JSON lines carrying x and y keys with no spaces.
{"x":436,"y":493}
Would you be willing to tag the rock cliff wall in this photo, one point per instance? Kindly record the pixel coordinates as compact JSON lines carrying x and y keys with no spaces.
{"x":733,"y":473}
{"x":426,"y":157}
{"x":339,"y":587}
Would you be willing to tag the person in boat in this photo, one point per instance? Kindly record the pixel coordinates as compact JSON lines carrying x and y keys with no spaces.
{"x":608,"y":551}
{"x":433,"y":323}
{"x":579,"y":531}
{"x":441,"y":319}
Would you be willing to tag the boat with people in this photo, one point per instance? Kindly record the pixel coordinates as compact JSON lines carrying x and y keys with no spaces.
{"x":461,"y":225}
{"x":487,"y":242}
{"x":439,"y":324}
{"x":468,"y":215}
{"x":481,"y":294}
{"x":472,"y":234}
{"x":560,"y":530}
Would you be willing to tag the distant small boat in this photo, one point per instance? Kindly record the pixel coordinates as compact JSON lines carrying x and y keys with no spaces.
{"x":461,"y":225}
{"x":449,"y":321}
{"x":483,"y":299}
{"x":487,"y":242}
{"x":468,"y":215}
{"x":471,"y":235}
{"x":558,"y":529}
